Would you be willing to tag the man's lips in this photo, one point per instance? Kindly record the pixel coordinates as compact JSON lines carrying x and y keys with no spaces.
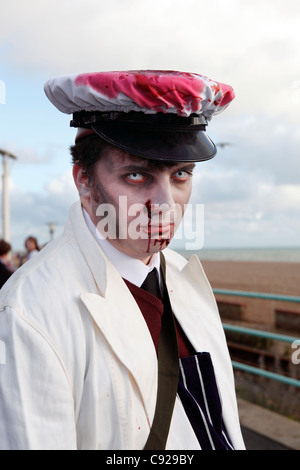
{"x":158,"y":230}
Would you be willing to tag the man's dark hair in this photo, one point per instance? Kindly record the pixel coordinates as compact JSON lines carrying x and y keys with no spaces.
{"x":90,"y":149}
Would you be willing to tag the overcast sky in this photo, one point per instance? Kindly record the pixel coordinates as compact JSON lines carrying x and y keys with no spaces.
{"x":250,"y":191}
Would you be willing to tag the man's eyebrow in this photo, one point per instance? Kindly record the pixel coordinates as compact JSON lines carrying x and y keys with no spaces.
{"x":149,"y":166}
{"x":189,"y":166}
{"x":185,"y":166}
{"x":134,"y":167}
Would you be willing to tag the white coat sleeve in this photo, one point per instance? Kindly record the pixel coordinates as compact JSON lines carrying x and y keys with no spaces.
{"x":36,"y":402}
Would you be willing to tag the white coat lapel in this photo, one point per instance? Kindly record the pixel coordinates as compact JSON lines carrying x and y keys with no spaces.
{"x":89,"y":246}
{"x":193,"y":303}
{"x":195,"y":308}
{"x":122,"y":323}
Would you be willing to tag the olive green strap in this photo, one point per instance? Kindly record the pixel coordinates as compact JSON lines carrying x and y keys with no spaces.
{"x":168,"y":374}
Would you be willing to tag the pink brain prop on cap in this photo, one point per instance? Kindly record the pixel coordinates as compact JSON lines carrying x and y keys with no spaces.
{"x":140,"y":91}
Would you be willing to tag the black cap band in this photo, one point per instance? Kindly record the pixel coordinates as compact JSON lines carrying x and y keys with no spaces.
{"x":86,"y":119}
{"x":159,"y":136}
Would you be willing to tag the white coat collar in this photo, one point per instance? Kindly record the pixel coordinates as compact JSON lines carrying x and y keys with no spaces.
{"x":129,"y":268}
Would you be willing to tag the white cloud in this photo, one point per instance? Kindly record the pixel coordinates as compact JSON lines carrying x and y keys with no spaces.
{"x":62,"y":187}
{"x":259,"y":214}
{"x":261,"y":144}
{"x":251,"y":190}
{"x":31,"y":212}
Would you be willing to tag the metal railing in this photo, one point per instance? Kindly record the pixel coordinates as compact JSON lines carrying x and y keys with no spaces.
{"x":261,"y":334}
{"x":258,"y":295}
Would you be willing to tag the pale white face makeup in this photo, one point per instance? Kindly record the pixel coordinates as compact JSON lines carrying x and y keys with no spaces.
{"x":146,"y":201}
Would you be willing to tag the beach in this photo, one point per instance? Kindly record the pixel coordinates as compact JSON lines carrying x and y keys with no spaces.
{"x":256,"y":276}
{"x":261,"y":277}
{"x":258,"y":270}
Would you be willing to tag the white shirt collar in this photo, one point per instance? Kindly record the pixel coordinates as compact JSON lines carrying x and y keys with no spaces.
{"x":131,"y":269}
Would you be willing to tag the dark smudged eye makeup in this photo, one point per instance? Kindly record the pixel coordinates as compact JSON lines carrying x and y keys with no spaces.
{"x":135,"y":178}
{"x":140,"y":176}
{"x":181,"y":176}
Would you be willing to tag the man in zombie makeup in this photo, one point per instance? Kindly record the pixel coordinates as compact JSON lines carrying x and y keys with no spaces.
{"x":113,"y":340}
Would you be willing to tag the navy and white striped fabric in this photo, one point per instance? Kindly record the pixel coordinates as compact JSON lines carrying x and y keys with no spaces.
{"x":199,"y":395}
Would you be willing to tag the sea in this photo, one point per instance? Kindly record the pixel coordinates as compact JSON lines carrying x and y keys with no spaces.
{"x":280,"y":254}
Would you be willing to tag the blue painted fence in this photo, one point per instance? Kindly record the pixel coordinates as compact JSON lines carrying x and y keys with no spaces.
{"x":261,"y":334}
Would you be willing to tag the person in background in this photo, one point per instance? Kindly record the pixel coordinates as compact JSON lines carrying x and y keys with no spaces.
{"x":32,"y":248}
{"x":6,"y":268}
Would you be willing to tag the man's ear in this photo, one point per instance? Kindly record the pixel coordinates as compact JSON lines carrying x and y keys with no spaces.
{"x":81,"y":180}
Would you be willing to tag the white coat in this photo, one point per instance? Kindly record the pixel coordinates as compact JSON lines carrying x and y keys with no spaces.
{"x":78,"y":368}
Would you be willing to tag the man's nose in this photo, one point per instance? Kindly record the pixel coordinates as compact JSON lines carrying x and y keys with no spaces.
{"x":163,"y":196}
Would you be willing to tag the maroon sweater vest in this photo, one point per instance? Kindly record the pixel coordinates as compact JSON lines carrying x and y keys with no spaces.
{"x":152,"y":309}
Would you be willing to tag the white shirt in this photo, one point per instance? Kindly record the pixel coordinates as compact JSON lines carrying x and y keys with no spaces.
{"x":131,"y":269}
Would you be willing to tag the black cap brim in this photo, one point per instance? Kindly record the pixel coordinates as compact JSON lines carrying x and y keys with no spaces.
{"x":159,"y":144}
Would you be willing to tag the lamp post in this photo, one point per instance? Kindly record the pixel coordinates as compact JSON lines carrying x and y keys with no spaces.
{"x":51,"y":226}
{"x":5,"y":194}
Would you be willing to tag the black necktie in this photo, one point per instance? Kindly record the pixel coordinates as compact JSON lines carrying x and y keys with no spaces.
{"x":168,"y":371}
{"x":151,"y":284}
